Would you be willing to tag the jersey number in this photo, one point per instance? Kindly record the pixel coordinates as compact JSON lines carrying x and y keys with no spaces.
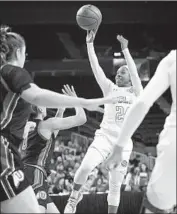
{"x":18,"y":177}
{"x":120,"y":113}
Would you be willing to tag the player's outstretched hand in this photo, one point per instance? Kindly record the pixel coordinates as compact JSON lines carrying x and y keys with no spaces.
{"x":111,"y":99}
{"x":67,"y":90}
{"x":91,"y":35}
{"x":114,"y":158}
{"x":123,"y":41}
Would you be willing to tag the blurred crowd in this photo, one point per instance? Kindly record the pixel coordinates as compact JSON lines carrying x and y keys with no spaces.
{"x":68,"y":156}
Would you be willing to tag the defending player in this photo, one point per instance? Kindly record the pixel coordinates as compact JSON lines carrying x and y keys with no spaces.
{"x":17,"y":92}
{"x":161,"y":191}
{"x":39,"y":148}
{"x":127,"y":87}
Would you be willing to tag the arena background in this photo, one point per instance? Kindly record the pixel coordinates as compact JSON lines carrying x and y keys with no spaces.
{"x":57,"y":55}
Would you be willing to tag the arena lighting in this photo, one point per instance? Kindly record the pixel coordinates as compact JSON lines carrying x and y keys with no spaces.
{"x":117,"y":54}
{"x":118,"y":61}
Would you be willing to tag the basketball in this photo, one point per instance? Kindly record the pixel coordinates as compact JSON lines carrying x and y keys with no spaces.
{"x":89,"y":17}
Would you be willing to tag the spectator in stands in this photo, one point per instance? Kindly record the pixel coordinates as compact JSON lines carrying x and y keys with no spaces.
{"x":100,"y":185}
{"x":61,"y":185}
{"x":71,"y":144}
{"x":70,"y":172}
{"x":77,"y":164}
{"x":136,"y":161}
{"x":68,"y":185}
{"x":144,"y":177}
{"x":60,"y":171}
{"x":132,"y":180}
{"x":59,"y":160}
{"x":87,"y":187}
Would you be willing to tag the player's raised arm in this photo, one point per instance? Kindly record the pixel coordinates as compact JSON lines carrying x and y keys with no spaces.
{"x":98,"y":72}
{"x":136,"y":81}
{"x":55,"y":124}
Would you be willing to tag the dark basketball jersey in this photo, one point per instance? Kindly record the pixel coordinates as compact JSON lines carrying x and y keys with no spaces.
{"x":14,"y":114}
{"x":37,"y":150}
{"x":14,"y":110}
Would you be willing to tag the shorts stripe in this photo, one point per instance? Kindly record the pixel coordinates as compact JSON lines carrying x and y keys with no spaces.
{"x":7,"y":166}
{"x":44,"y":153}
{"x":7,"y":158}
{"x":7,"y":187}
{"x":38,"y":179}
{"x":9,"y":105}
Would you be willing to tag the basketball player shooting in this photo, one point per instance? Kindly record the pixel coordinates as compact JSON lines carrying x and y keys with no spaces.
{"x":127,"y":87}
{"x":161,"y":191}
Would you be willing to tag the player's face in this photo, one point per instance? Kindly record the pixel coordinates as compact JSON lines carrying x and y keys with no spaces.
{"x":143,"y":167}
{"x":122,"y":77}
{"x":21,"y":56}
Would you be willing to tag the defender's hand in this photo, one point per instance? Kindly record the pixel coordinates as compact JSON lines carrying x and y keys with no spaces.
{"x":67,"y":90}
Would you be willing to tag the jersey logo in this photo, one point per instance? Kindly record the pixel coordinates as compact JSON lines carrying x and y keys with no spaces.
{"x":124,"y":163}
{"x":41,"y":195}
{"x":18,"y":177}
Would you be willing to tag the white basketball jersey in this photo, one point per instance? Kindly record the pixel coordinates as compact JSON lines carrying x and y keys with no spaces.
{"x":171,"y":119}
{"x":114,"y":113}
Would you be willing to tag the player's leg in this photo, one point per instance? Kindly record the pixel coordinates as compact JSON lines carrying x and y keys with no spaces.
{"x":37,"y":177}
{"x":115,"y":182}
{"x":92,"y":159}
{"x":116,"y":177}
{"x":161,"y":191}
{"x":96,"y":154}
{"x":40,"y":187}
{"x":17,"y":196}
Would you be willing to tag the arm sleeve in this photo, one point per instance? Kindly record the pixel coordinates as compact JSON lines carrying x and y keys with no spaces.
{"x":18,"y":80}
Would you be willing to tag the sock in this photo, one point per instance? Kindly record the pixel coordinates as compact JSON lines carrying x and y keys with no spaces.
{"x":74,"y":194}
{"x":75,"y":191}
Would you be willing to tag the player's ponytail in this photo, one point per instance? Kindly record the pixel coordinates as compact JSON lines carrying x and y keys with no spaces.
{"x":9,"y":43}
{"x":4,"y":49}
